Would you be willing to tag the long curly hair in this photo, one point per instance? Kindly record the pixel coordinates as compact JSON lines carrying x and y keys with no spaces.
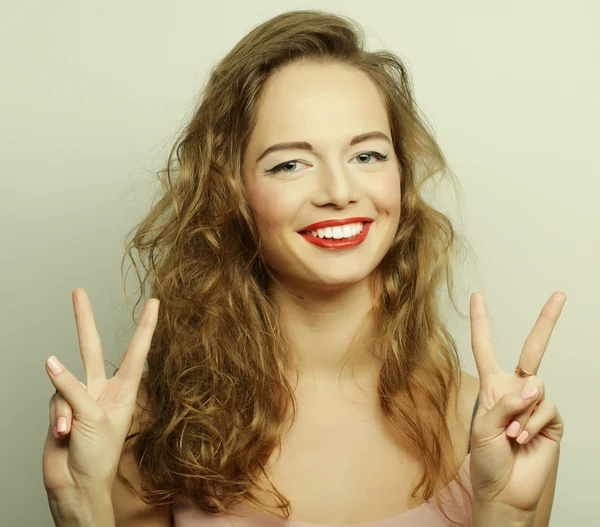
{"x":218,"y":395}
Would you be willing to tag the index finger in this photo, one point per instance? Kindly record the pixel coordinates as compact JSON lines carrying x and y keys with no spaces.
{"x":90,"y":345}
{"x":132,"y":366}
{"x":481,"y":337}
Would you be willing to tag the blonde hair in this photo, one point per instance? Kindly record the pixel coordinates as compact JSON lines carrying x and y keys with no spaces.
{"x":216,"y":380}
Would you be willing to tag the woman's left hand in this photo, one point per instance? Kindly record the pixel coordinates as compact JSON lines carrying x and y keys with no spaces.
{"x":505,"y":471}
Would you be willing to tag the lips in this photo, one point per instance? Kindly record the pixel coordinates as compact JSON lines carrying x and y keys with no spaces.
{"x":335,"y":223}
{"x":338,"y":244}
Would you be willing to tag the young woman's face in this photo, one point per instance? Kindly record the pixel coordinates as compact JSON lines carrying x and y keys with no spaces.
{"x":327,"y":178}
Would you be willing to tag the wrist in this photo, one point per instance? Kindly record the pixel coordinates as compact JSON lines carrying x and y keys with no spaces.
{"x":500,"y":515}
{"x":78,"y":508}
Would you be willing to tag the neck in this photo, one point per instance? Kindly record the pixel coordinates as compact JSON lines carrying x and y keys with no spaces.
{"x":321,"y":325}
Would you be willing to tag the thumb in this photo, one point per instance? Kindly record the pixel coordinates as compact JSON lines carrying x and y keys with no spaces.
{"x":510,"y":405}
{"x":71,"y":390}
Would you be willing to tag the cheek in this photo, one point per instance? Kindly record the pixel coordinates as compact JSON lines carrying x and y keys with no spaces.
{"x":388,"y":195}
{"x":274,"y":209}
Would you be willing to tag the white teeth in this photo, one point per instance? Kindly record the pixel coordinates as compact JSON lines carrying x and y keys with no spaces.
{"x":345,"y":231}
{"x":338,"y":233}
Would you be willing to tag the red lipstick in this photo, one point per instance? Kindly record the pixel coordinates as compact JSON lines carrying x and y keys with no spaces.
{"x":335,"y":243}
{"x":335,"y":223}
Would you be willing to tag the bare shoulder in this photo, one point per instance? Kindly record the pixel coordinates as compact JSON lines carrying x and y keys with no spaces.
{"x":129,"y":509}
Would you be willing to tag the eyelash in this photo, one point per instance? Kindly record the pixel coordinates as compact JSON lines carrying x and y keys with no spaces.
{"x":278,"y":168}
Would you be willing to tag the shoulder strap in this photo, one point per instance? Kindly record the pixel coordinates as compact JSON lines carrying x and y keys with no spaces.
{"x":472,"y":419}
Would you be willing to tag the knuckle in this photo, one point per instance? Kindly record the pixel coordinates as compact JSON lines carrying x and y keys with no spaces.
{"x":559,"y":417}
{"x":535,"y":379}
{"x":64,"y":408}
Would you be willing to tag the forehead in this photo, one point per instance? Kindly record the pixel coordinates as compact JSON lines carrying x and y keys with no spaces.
{"x":317,"y":103}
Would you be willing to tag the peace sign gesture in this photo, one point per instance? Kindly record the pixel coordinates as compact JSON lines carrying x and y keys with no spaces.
{"x":504,"y":470}
{"x":87,"y":456}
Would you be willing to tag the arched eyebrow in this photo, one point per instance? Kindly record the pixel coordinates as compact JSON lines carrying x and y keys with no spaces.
{"x":302,"y":145}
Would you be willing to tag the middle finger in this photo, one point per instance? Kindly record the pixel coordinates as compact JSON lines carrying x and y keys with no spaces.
{"x":537,"y":341}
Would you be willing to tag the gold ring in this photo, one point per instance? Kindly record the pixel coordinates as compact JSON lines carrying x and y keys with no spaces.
{"x":521,"y":372}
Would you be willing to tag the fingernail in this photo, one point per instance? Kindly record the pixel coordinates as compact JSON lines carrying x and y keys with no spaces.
{"x":529,"y":392}
{"x":61,"y":425}
{"x":513,"y":429}
{"x":54,"y":365}
{"x":523,"y":437}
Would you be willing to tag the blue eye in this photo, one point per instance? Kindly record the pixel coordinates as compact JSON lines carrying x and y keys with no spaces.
{"x":279,"y":168}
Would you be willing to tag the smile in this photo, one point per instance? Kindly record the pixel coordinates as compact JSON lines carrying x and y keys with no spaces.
{"x":343,"y":231}
{"x":339,"y":237}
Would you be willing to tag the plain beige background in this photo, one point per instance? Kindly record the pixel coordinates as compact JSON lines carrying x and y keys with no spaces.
{"x":93,"y":93}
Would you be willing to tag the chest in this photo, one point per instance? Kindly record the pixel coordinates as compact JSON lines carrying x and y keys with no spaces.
{"x":343,"y":463}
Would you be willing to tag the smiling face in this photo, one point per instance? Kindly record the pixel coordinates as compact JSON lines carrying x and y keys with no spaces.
{"x":342,"y":175}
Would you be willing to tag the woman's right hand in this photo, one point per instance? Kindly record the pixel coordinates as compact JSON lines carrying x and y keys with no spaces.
{"x":87,"y":456}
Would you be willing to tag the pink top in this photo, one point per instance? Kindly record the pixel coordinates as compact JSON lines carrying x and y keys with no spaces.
{"x":425,"y":515}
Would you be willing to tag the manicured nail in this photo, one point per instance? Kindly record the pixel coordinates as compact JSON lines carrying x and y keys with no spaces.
{"x":513,"y":429}
{"x":61,"y":425}
{"x":523,"y":437}
{"x":54,"y":365}
{"x":529,"y":392}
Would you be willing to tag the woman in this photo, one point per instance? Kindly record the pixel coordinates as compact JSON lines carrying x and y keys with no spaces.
{"x":298,"y":366}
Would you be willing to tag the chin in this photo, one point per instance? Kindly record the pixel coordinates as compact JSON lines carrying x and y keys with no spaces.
{"x":333,"y":281}
{"x":327,"y":271}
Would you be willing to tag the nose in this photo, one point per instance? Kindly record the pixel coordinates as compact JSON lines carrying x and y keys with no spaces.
{"x":336,"y":186}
